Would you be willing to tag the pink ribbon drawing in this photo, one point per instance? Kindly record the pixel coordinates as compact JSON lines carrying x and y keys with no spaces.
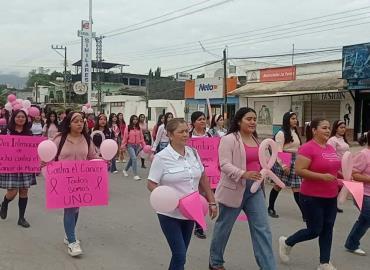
{"x":267,"y":162}
{"x":355,"y":188}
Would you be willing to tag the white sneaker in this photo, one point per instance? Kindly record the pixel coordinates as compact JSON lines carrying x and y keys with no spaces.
{"x":284,"y":250}
{"x":326,"y":266}
{"x":65,"y":240}
{"x":124,"y":173}
{"x":115,"y":172}
{"x":358,"y":251}
{"x":74,"y":249}
{"x":137,"y":178}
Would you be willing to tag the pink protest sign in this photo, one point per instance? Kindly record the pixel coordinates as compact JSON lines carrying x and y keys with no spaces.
{"x":208,"y":152}
{"x":76,"y":183}
{"x":18,"y":154}
{"x":286,"y":158}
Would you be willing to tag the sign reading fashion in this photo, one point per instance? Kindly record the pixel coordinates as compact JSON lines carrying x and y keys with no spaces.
{"x":209,"y":88}
{"x":208,"y":151}
{"x":80,"y":183}
{"x":18,"y":154}
{"x":278,"y":74}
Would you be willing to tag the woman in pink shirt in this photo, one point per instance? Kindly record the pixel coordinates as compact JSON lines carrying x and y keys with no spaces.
{"x":339,"y":141}
{"x":361,"y":173}
{"x":318,"y":164}
{"x":133,"y":141}
{"x":73,"y":143}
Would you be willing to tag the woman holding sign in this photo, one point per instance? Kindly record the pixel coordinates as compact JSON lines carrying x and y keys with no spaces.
{"x":73,"y":143}
{"x":288,"y":141}
{"x":240,"y":168}
{"x":17,"y":182}
{"x":199,"y":124}
{"x":318,"y":164}
{"x":361,"y":173}
{"x":178,"y":166}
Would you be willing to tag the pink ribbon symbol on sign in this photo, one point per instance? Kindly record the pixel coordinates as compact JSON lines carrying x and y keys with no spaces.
{"x":355,"y":188}
{"x":267,"y":161}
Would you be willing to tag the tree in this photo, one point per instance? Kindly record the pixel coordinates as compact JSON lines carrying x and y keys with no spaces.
{"x":151,"y":76}
{"x":157,"y":73}
{"x":2,"y":95}
{"x":37,"y":78}
{"x":55,"y":74}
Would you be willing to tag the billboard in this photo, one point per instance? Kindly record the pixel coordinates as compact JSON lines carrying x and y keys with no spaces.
{"x":356,"y":62}
{"x":278,"y":74}
{"x":209,"y":88}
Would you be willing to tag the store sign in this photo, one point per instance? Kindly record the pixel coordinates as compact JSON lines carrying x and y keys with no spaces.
{"x":209,"y":88}
{"x":278,"y":74}
{"x":321,"y":96}
{"x":182,"y":76}
{"x":356,"y":62}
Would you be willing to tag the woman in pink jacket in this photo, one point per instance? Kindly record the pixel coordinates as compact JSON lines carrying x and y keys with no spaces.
{"x":240,"y":167}
{"x":133,"y":141}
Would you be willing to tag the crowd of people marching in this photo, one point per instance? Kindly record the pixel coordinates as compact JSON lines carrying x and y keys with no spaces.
{"x":311,"y":175}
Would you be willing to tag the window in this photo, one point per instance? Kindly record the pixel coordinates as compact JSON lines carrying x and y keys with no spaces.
{"x":134,"y":81}
{"x":117,"y":104}
{"x":124,"y":81}
{"x":143,"y":82}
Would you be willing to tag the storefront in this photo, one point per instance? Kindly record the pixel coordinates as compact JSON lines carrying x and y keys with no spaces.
{"x":198,"y":91}
{"x":356,"y":70}
{"x":325,"y":97}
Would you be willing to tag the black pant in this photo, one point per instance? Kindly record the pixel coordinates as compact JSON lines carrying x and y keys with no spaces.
{"x":320,"y":214}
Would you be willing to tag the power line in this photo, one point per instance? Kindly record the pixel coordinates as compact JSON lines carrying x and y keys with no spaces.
{"x":236,"y":35}
{"x":156,"y":18}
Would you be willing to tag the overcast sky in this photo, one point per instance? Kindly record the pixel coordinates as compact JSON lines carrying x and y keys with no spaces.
{"x":29,"y":28}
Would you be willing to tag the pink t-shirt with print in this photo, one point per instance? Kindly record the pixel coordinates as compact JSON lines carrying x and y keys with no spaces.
{"x":361,"y":164}
{"x":323,"y":160}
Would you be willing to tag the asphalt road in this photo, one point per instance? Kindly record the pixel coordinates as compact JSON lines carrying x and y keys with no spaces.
{"x":126,"y":235}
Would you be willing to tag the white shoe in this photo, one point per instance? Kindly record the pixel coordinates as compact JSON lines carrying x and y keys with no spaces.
{"x":74,"y":249}
{"x":137,"y":178}
{"x":358,"y":251}
{"x":125,"y":173}
{"x":115,"y":172}
{"x":284,"y":250}
{"x":326,"y":266}
{"x":65,"y":240}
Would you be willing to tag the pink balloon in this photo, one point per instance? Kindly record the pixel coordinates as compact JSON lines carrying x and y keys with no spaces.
{"x":14,"y":102}
{"x":147,"y":149}
{"x":267,"y":161}
{"x":33,"y":111}
{"x":47,"y":150}
{"x":17,"y":107}
{"x":108,"y":149}
{"x":164,"y":199}
{"x":2,"y":121}
{"x":347,"y":165}
{"x":8,"y":106}
{"x":204,"y":205}
{"x":88,"y":105}
{"x":11,"y":98}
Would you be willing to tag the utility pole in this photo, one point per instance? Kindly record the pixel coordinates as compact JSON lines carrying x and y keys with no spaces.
{"x":147,"y":96}
{"x":56,"y":48}
{"x":293,"y":55}
{"x":89,"y":89}
{"x":225,"y":84}
{"x":99,"y":60}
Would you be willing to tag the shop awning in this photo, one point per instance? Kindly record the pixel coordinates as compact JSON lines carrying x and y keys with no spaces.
{"x":291,"y":88}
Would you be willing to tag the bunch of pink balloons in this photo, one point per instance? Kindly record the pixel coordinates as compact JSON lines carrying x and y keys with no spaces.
{"x":15,"y":104}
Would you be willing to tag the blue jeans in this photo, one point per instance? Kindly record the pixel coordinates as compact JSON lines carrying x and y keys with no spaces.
{"x":360,"y":227}
{"x":320,"y":214}
{"x":178,"y":234}
{"x":70,"y":221}
{"x":133,"y":150}
{"x":113,"y":166}
{"x":253,"y":206}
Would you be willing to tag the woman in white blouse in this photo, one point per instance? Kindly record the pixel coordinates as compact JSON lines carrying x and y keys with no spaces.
{"x":288,"y":141}
{"x":162,"y":140}
{"x":178,"y":166}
